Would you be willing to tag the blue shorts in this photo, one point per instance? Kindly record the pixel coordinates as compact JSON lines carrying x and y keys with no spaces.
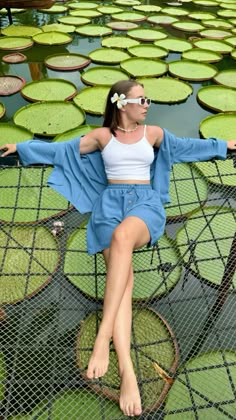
{"x":119,"y":201}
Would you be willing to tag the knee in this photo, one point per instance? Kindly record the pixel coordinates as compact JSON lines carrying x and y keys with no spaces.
{"x":122,"y":238}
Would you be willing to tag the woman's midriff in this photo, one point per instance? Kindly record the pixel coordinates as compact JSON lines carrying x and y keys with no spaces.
{"x":128,"y":181}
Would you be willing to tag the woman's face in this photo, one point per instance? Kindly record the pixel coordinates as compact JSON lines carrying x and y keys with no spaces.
{"x":135,"y":111}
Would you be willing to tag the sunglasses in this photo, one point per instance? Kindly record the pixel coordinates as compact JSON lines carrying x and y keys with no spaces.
{"x":140,"y":101}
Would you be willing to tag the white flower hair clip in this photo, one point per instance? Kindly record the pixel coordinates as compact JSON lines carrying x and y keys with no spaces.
{"x":120,"y":100}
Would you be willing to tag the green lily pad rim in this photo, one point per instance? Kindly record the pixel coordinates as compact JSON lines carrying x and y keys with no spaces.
{"x":218,"y":56}
{"x":181,"y":25}
{"x":48,"y":81}
{"x":98,"y":87}
{"x":148,"y":46}
{"x":70,"y":132}
{"x":218,"y":42}
{"x":233,"y":54}
{"x":139,"y":16}
{"x":120,"y":25}
{"x":67,"y":37}
{"x":109,"y":393}
{"x":150,"y":61}
{"x":103,"y":50}
{"x":49,"y":104}
{"x":131,"y":32}
{"x":166,"y":78}
{"x":93,"y":26}
{"x":172,"y":19}
{"x":2,"y":110}
{"x":29,"y":43}
{"x":214,"y":87}
{"x":215,"y":78}
{"x":87,"y":62}
{"x":121,"y":38}
{"x":50,"y":277}
{"x":3,"y":30}
{"x":205,"y":33}
{"x":97,"y":69}
{"x":147,"y":8}
{"x":220,"y":115}
{"x":181,"y":62}
{"x":17,"y":128}
{"x":23,"y":82}
{"x":174,"y":40}
{"x":56,"y":8}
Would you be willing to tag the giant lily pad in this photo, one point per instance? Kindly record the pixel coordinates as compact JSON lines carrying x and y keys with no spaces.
{"x":233,"y":54}
{"x":188,"y":190}
{"x":109,"y":10}
{"x":49,"y":90}
{"x":218,"y":172}
{"x":192,"y":70}
{"x":52,"y":38}
{"x":90,"y":14}
{"x":146,"y":34}
{"x":15,"y":43}
{"x":174,"y":44}
{"x":212,"y":230}
{"x":152,"y":342}
{"x":76,"y":132}
{"x":73,"y":20}
{"x":119,"y":42}
{"x":103,"y":75}
{"x":166,"y":89}
{"x":25,"y":196}
{"x":218,"y":23}
{"x":108,"y":55}
{"x":202,"y":55}
{"x":222,"y":126}
{"x":122,"y":26}
{"x":58,"y":27}
{"x":2,"y":109}
{"x":214,"y":45}
{"x":219,"y":98}
{"x":92,"y":99}
{"x":29,"y":256}
{"x":93,"y":30}
{"x":14,"y":58}
{"x":153,"y":278}
{"x":55,"y":8}
{"x":202,"y":16}
{"x":226,"y":78}
{"x":67,"y":62}
{"x":10,"y":133}
{"x":21,"y":30}
{"x":138,"y":67}
{"x":206,"y":2}
{"x":11,"y":84}
{"x":162,"y":19}
{"x":215,"y":33}
{"x":203,"y":388}
{"x":231,"y":40}
{"x":127,"y":2}
{"x":148,"y":51}
{"x":187,"y":26}
{"x":84,"y":5}
{"x":49,"y":118}
{"x":175,"y":11}
{"x":227,"y":13}
{"x":129,"y":16}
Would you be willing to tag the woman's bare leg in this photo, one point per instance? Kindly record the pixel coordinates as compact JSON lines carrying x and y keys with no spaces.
{"x":130,"y":401}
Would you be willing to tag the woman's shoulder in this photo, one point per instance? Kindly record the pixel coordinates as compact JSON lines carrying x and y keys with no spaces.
{"x":155,"y":134}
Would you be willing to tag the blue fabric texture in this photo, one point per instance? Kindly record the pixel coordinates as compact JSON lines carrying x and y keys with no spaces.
{"x":81,"y":178}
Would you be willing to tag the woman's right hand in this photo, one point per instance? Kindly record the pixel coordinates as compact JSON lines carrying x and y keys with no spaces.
{"x":8,"y":149}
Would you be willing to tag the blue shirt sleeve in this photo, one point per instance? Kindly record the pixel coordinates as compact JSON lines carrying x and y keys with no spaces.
{"x":36,"y":151}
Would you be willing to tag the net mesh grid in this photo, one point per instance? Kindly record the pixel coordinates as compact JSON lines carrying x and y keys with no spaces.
{"x":39,"y":326}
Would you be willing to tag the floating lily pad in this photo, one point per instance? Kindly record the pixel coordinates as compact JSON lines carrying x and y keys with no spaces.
{"x":228,"y":5}
{"x":147,"y":8}
{"x":148,"y":51}
{"x":49,"y":90}
{"x":127,"y":2}
{"x":152,"y":341}
{"x":138,"y":67}
{"x":21,"y":31}
{"x":226,"y":78}
{"x":74,"y":20}
{"x":174,"y":44}
{"x":212,"y":230}
{"x":227,"y":13}
{"x":10,"y":133}
{"x":188,"y":190}
{"x":11,"y":84}
{"x":202,"y":16}
{"x":222,"y":126}
{"x":92,"y":99}
{"x":49,"y":118}
{"x":93,"y":30}
{"x":192,"y":70}
{"x":52,"y":38}
{"x":146,"y":34}
{"x":110,"y":10}
{"x":162,"y":19}
{"x":214,"y":45}
{"x":233,"y":54}
{"x":3,"y":374}
{"x":202,"y":55}
{"x":108,"y":55}
{"x":231,"y":40}
{"x":122,"y":26}
{"x":84,"y":5}
{"x":90,"y":14}
{"x":207,"y":377}
{"x":219,"y":98}
{"x":2,"y":109}
{"x":175,"y":11}
{"x":58,"y":27}
{"x":214,"y":33}
{"x":26,"y":266}
{"x":67,"y":62}
{"x":15,"y":43}
{"x":14,"y":11}
{"x":149,"y":268}
{"x":103,"y":75}
{"x":166,"y":89}
{"x":119,"y":42}
{"x":55,"y":8}
{"x":129,"y":16}
{"x":76,"y":132}
{"x":206,"y":3}
{"x":14,"y":58}
{"x":26,"y":198}
{"x":218,"y":172}
{"x":188,"y":26}
{"x":218,"y":23}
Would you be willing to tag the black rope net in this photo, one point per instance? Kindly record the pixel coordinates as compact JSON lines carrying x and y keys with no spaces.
{"x":51,"y":291}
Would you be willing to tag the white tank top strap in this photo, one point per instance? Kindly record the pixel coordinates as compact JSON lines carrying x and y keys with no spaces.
{"x":144,"y":131}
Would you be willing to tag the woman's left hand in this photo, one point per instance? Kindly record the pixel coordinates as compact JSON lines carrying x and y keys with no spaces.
{"x":231,"y":145}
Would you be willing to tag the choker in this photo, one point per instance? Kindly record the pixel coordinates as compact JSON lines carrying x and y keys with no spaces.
{"x":127,"y":131}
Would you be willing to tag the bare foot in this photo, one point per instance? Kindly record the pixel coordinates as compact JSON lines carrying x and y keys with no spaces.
{"x":99,"y":360}
{"x":130,"y":401}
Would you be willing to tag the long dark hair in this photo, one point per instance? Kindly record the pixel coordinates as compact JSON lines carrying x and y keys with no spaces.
{"x":111,"y":115}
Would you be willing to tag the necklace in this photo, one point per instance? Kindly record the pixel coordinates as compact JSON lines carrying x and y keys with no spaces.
{"x":128,"y":131}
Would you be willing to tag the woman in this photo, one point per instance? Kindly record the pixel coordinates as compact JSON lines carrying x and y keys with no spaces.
{"x":112,"y":179}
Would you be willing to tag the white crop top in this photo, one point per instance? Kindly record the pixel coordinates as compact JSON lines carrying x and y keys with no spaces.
{"x":128,"y":161}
